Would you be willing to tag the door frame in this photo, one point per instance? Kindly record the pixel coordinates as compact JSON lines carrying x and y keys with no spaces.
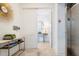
{"x":51,"y":22}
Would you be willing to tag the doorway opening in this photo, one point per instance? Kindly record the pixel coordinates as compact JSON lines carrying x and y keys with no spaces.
{"x":37,"y":30}
{"x":44,"y":26}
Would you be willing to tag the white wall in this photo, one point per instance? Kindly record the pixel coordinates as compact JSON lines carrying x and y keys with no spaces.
{"x":29,"y":27}
{"x":58,"y":30}
{"x":6,"y":27}
{"x":62,"y":30}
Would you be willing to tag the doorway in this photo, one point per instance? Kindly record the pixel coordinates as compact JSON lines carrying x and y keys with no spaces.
{"x":44,"y":26}
{"x":37,"y":30}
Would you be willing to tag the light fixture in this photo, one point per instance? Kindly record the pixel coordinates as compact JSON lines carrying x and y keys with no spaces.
{"x":4,"y":9}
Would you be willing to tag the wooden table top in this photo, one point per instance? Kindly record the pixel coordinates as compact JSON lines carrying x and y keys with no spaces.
{"x":4,"y":41}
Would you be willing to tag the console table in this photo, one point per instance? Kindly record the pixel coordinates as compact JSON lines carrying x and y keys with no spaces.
{"x":17,"y":44}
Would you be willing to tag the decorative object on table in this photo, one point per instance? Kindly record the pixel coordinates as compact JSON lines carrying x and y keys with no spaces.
{"x":5,"y":11}
{"x":20,"y":41}
{"x":9,"y":36}
{"x":39,"y":32}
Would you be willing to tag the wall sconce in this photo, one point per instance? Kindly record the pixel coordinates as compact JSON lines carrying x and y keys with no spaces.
{"x":5,"y":11}
{"x":16,"y":28}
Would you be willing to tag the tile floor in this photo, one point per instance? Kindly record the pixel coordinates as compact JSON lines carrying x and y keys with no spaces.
{"x":42,"y":50}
